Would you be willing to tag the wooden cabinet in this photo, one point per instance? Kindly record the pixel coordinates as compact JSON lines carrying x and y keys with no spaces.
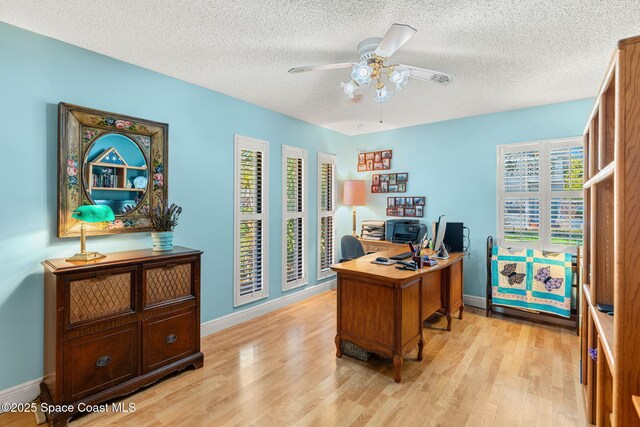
{"x":118,"y":324}
{"x":610,"y":263}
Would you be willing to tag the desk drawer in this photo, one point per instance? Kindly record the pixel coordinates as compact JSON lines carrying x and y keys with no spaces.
{"x":168,"y":338}
{"x":99,"y":361}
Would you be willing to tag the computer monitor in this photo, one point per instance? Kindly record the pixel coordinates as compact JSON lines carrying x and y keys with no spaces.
{"x":438,"y":245}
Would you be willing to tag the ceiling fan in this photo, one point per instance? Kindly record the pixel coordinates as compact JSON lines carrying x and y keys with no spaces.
{"x":374,"y":53}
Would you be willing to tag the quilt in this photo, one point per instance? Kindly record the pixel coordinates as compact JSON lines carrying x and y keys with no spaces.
{"x":532,"y":280}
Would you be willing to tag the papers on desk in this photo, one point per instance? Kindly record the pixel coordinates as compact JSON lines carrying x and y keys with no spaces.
{"x":372,"y":230}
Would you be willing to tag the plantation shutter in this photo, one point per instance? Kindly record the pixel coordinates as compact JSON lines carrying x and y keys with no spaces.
{"x":294,"y":217}
{"x":250,"y":220}
{"x":326,"y":213}
{"x":540,"y":195}
{"x":566,"y":206}
{"x":520,"y":196}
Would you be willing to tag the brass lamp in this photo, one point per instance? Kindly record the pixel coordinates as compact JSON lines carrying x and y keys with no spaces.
{"x":354,"y":195}
{"x":90,"y":213}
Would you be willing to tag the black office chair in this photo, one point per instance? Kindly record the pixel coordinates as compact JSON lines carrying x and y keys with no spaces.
{"x":351,"y":248}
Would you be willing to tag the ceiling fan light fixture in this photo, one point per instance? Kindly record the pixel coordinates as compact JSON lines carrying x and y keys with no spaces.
{"x":361,"y":72}
{"x":349,"y":88}
{"x":400,"y":78}
{"x":383,"y":95}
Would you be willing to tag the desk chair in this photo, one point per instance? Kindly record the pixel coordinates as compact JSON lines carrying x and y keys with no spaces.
{"x":351,"y":248}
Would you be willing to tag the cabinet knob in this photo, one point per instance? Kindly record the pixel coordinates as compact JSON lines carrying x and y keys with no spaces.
{"x":171,"y":338}
{"x":103,"y":361}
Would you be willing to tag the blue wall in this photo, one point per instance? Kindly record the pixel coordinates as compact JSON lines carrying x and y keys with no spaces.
{"x":36,"y":73}
{"x":453,"y":164}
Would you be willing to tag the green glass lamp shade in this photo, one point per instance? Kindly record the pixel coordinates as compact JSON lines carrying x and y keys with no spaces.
{"x":90,"y":213}
{"x":93,"y":213}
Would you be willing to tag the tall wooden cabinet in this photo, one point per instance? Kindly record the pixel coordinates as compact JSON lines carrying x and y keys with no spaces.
{"x":118,"y":324}
{"x":610,"y":345}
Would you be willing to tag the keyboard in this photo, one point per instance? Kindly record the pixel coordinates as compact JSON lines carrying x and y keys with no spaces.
{"x":402,"y":256}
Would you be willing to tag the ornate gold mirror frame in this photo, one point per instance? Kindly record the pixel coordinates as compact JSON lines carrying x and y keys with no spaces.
{"x":78,"y":129}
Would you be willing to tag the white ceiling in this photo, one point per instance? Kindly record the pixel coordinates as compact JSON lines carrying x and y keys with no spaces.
{"x":505,"y":54}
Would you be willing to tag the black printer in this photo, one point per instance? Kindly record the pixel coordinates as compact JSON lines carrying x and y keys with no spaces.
{"x":404,"y":230}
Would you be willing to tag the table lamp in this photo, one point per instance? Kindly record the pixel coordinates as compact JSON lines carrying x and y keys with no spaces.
{"x":90,"y":213}
{"x":354,"y":195}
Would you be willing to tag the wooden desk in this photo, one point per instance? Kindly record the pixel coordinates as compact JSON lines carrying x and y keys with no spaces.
{"x":381,"y":308}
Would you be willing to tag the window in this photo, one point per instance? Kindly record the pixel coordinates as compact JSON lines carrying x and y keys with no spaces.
{"x":250,"y":220}
{"x":326,"y":214}
{"x":294,"y":217}
{"x":540,"y":195}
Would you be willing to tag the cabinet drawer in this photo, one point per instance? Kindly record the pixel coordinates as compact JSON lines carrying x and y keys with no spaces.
{"x":99,"y":361}
{"x":168,"y":282}
{"x":99,"y":295}
{"x":168,"y":338}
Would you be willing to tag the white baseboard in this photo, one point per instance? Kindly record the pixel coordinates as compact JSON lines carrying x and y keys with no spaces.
{"x":238,"y":317}
{"x":22,"y":393}
{"x":475,"y":301}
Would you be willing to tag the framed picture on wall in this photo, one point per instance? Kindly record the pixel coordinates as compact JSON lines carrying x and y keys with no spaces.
{"x":376,"y":160}
{"x":388,"y":182}
{"x":406,"y":206}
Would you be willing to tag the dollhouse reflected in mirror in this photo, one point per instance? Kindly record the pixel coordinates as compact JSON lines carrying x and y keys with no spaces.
{"x":116,"y":173}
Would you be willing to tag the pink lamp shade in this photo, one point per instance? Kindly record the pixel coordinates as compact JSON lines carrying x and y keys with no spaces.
{"x":354,"y":193}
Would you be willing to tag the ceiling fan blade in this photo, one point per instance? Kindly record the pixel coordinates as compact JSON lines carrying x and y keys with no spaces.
{"x":397,"y":35}
{"x":429,"y":75}
{"x":321,"y":67}
{"x":359,"y":94}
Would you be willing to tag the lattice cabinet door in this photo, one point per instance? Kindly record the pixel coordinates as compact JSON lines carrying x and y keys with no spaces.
{"x":169,"y":282}
{"x":100,"y":295}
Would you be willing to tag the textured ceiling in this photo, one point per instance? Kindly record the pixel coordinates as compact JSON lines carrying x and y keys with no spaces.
{"x":505,"y":54}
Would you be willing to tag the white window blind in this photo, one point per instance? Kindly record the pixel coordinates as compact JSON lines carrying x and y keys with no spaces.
{"x":540,"y":195}
{"x":294,"y":217}
{"x":566,"y":206}
{"x":326,"y":213}
{"x":250,"y":220}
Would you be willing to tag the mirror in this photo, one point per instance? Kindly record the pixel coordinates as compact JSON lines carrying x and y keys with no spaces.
{"x":109,"y":159}
{"x":116,"y":173}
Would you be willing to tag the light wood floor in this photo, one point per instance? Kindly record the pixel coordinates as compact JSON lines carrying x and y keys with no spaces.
{"x":281,"y":369}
